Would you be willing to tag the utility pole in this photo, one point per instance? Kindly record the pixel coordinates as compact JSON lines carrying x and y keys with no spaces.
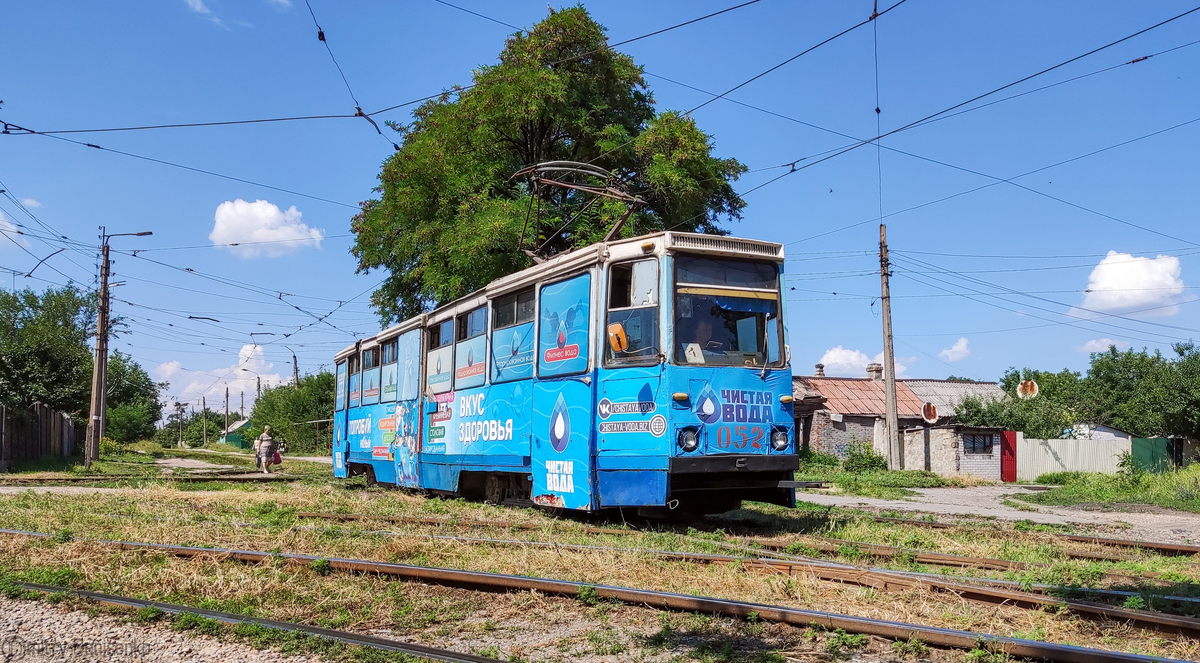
{"x":99,"y":374}
{"x":243,"y":404}
{"x":95,"y":430}
{"x":258,"y":389}
{"x":179,"y":410}
{"x":226,"y":409}
{"x":895,"y":452}
{"x":204,"y":419}
{"x":295,"y":370}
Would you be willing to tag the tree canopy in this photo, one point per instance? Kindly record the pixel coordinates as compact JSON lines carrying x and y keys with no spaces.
{"x":44,"y":355}
{"x":133,"y":400}
{"x":450,"y":217}
{"x":286,"y":408}
{"x":1136,"y":391}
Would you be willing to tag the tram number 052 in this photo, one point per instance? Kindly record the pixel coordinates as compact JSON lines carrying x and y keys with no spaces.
{"x":740,"y":437}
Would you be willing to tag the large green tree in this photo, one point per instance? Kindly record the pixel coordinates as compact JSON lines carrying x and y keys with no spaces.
{"x":1136,"y":391}
{"x":287,"y":408}
{"x":450,"y":216}
{"x":44,"y":355}
{"x":133,"y":400}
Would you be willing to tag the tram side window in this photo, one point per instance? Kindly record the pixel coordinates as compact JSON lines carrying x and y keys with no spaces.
{"x":387,"y":375}
{"x":564,"y":312}
{"x":370,"y":376}
{"x":439,"y":361}
{"x":632,"y":322}
{"x":340,"y":388}
{"x":512,"y":336}
{"x":355,"y":380}
{"x":471,"y":349}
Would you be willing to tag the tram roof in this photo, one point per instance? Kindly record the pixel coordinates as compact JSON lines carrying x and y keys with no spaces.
{"x":658,"y":243}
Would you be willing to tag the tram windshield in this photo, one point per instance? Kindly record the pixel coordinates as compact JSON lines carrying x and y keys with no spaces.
{"x":726,"y":312}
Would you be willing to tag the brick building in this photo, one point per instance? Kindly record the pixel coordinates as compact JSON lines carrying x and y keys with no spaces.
{"x":833,"y":414}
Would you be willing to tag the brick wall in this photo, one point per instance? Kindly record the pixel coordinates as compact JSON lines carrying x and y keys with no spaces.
{"x":836,"y":437}
{"x":986,"y":466}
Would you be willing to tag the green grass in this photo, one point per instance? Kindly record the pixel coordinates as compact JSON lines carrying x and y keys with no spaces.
{"x":1171,"y":490}
{"x":886,"y":484}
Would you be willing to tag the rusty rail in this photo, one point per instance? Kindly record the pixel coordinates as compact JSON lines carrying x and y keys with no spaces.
{"x":484,"y":581}
{"x":385,"y":644}
{"x":1159,"y":546}
{"x":421,"y":520}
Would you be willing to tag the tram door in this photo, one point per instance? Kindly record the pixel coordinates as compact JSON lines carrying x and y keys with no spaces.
{"x":562,"y":450}
{"x":406,"y":441}
{"x":339,"y":423}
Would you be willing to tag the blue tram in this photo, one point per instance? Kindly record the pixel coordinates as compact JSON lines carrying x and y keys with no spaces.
{"x":649,"y":373}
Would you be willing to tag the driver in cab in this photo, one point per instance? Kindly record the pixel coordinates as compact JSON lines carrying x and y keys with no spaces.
{"x":702,"y":344}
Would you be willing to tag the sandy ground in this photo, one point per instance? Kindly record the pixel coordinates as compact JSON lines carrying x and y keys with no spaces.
{"x":1130,"y":520}
{"x":189,"y":464}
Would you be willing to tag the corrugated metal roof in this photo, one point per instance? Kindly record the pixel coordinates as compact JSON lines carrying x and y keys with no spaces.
{"x":861,"y":396}
{"x":947,"y":396}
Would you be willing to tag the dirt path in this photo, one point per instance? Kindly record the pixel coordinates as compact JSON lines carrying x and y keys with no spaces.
{"x":189,"y":464}
{"x":1131,"y":520}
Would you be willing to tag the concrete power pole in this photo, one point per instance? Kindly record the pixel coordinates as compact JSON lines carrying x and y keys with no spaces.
{"x":204,"y":419}
{"x":226,"y":409}
{"x":95,"y":428}
{"x":295,"y":371}
{"x":258,"y":389}
{"x":895,"y":451}
{"x":243,"y":404}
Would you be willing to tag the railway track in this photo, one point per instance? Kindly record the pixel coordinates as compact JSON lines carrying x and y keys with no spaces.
{"x":496,"y":582}
{"x":372,"y":642}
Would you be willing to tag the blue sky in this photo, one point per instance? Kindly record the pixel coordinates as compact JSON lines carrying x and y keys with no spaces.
{"x":985,"y":280}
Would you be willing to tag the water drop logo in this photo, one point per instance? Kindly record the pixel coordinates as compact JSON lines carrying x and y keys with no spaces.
{"x":470,"y":357}
{"x":516,"y":344}
{"x":562,"y":337}
{"x":708,"y":408}
{"x":438,"y":367}
{"x":560,"y":425}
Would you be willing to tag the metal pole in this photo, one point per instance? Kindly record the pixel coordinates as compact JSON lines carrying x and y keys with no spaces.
{"x":258,"y":389}
{"x":204,"y":419}
{"x":227,"y":409}
{"x":243,"y":403}
{"x":295,"y":370}
{"x":99,"y":366}
{"x":895,"y":450}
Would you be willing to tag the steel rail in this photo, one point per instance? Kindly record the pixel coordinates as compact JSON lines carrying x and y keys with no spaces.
{"x":420,"y":520}
{"x":1159,"y":546}
{"x":373,"y":642}
{"x":498,"y":582}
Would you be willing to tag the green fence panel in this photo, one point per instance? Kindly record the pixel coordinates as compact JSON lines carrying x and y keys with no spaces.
{"x":1152,"y":454}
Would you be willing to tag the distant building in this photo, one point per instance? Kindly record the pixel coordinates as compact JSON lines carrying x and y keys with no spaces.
{"x":1086,"y":431}
{"x":234,"y":436}
{"x":833,"y":414}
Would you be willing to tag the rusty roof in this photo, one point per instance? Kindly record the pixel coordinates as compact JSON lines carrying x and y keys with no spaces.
{"x":860,"y":396}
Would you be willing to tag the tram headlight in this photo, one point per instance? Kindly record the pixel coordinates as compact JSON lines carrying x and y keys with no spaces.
{"x":779,"y":439}
{"x":688,"y":439}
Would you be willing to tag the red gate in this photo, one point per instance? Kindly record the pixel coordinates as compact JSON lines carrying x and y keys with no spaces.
{"x":1008,"y":456}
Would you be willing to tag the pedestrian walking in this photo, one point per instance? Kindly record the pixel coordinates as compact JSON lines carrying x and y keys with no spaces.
{"x":265,"y":450}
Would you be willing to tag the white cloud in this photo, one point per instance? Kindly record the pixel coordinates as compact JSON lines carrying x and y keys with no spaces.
{"x":211,"y":384}
{"x":1122,"y":282}
{"x":30,"y":202}
{"x":10,"y":231}
{"x":282,"y":4}
{"x":844,"y":362}
{"x":957,"y":351}
{"x":241,"y":222}
{"x":1101,"y":345}
{"x":202,"y":9}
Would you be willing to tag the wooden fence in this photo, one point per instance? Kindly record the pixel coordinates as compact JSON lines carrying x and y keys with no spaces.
{"x":34,"y":433}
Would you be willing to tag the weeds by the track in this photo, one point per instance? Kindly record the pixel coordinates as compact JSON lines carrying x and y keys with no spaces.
{"x":264,"y":518}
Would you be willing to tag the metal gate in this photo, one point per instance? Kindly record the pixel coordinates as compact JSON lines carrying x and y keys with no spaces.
{"x":1008,"y":456}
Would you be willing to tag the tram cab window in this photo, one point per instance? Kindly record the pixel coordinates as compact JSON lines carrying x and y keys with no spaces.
{"x":370,"y":376}
{"x":340,"y":387}
{"x":355,"y":380}
{"x":439,"y":360}
{"x":512,"y":336}
{"x":726,"y":312}
{"x":471,"y":349}
{"x":633,"y":313}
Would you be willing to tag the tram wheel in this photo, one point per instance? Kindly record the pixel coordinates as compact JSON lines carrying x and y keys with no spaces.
{"x":495,"y":488}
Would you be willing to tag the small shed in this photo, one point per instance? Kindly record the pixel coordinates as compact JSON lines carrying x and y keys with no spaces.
{"x":234,"y":436}
{"x":949,"y":449}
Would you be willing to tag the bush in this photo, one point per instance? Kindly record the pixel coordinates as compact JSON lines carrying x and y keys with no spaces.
{"x":815,"y":460}
{"x":1061,"y":478}
{"x":862,"y":458}
{"x":110,"y":447}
